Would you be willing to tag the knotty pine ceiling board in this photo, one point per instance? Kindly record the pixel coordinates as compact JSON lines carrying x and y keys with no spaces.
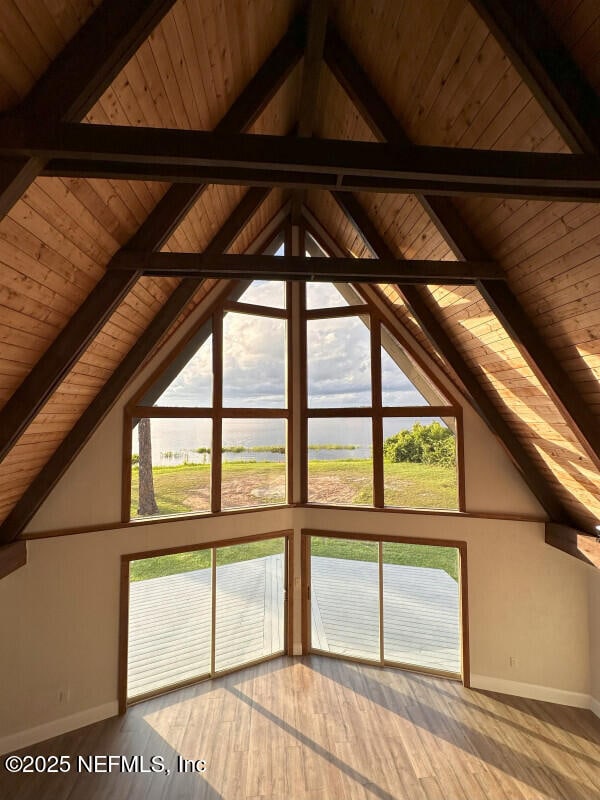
{"x":578,"y":25}
{"x":519,"y":396}
{"x":195,"y":63}
{"x":443,"y":75}
{"x":32,"y":34}
{"x":551,"y":255}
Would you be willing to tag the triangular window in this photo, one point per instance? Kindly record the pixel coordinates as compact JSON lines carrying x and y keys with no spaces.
{"x":265,"y":293}
{"x":188,"y":380}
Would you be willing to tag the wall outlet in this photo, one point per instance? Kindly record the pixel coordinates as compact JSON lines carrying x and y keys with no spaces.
{"x":512,"y":660}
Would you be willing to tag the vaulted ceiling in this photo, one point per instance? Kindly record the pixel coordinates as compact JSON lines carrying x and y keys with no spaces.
{"x":437,"y":73}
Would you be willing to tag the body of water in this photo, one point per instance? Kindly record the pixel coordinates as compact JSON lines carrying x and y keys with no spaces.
{"x":177,"y":441}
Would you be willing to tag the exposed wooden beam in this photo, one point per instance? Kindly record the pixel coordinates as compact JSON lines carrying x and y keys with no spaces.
{"x":444,"y":345}
{"x":250,"y":159}
{"x":585,"y":547}
{"x":465,"y":246}
{"x":78,"y":77}
{"x":59,"y":462}
{"x":553,"y":377}
{"x":548,"y":69}
{"x":60,"y":357}
{"x":12,"y":557}
{"x":281,"y":268}
{"x":309,"y":92}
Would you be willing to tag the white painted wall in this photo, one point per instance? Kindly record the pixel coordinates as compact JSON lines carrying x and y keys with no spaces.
{"x":60,"y":612}
{"x":594,"y":617}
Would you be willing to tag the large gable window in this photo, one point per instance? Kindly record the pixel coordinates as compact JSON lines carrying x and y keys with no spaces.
{"x":212,"y":431}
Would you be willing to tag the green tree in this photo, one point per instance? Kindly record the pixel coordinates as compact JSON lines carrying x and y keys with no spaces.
{"x":422,"y":444}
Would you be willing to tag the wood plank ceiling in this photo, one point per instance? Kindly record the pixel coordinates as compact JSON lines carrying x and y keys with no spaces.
{"x":446,"y":80}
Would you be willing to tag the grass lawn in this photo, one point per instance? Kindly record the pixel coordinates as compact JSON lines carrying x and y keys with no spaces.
{"x":186,"y":488}
{"x":410,"y":554}
{"x":349,"y":482}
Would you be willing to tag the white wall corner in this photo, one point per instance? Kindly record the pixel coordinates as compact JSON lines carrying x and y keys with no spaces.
{"x":15,"y":741}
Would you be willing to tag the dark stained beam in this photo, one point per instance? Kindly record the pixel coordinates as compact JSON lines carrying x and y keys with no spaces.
{"x":79,"y":76}
{"x":548,"y":69}
{"x":60,"y":357}
{"x":249,"y":159}
{"x":444,"y":345}
{"x":59,"y":462}
{"x":465,"y":245}
{"x":553,"y":377}
{"x":309,"y":92}
{"x":585,"y":547}
{"x":281,"y":268}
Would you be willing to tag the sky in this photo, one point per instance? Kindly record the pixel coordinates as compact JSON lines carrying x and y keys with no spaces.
{"x":254,"y":367}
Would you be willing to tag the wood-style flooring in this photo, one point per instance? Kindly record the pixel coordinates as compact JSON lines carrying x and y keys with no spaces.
{"x":317,"y":727}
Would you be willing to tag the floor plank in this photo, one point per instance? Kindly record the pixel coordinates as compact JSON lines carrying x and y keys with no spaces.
{"x":317,"y":727}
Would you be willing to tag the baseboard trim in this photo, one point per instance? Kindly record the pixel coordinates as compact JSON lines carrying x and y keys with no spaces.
{"x":532,"y":691}
{"x":57,"y":727}
{"x":595,"y":706}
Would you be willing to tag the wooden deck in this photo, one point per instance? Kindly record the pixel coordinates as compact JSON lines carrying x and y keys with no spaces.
{"x":170,"y":622}
{"x":421,"y":613}
{"x":170,"y":619}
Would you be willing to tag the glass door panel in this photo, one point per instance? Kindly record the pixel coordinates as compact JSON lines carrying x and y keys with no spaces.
{"x":345,"y":597}
{"x":421,"y":606}
{"x":170,"y":609}
{"x":249,"y":602}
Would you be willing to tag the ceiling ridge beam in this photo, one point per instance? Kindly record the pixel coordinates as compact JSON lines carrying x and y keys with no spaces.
{"x":79,"y":75}
{"x":443,"y":343}
{"x":464,"y":244}
{"x":34,"y":391}
{"x":364,"y":270}
{"x":61,"y":459}
{"x":547,"y":68}
{"x":309,"y":91}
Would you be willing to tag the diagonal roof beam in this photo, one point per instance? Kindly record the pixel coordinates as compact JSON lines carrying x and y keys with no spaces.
{"x":79,"y":76}
{"x":444,"y":345}
{"x":547,"y":68}
{"x":59,"y":462}
{"x":446,"y":218}
{"x":311,"y":72}
{"x":88,"y":320}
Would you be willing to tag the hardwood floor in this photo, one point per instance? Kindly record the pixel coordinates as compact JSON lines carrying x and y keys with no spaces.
{"x":321,"y":728}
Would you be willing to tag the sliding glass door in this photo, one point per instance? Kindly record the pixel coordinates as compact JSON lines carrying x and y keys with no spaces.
{"x":195,"y":614}
{"x":385,"y":602}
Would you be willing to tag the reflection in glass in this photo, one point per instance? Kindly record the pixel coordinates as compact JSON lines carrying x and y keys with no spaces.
{"x":419,"y":462}
{"x":250,"y":602}
{"x":254,"y":462}
{"x":254,"y":361}
{"x":338,"y":363}
{"x":340,"y":461}
{"x":344,"y":591}
{"x":170,"y":466}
